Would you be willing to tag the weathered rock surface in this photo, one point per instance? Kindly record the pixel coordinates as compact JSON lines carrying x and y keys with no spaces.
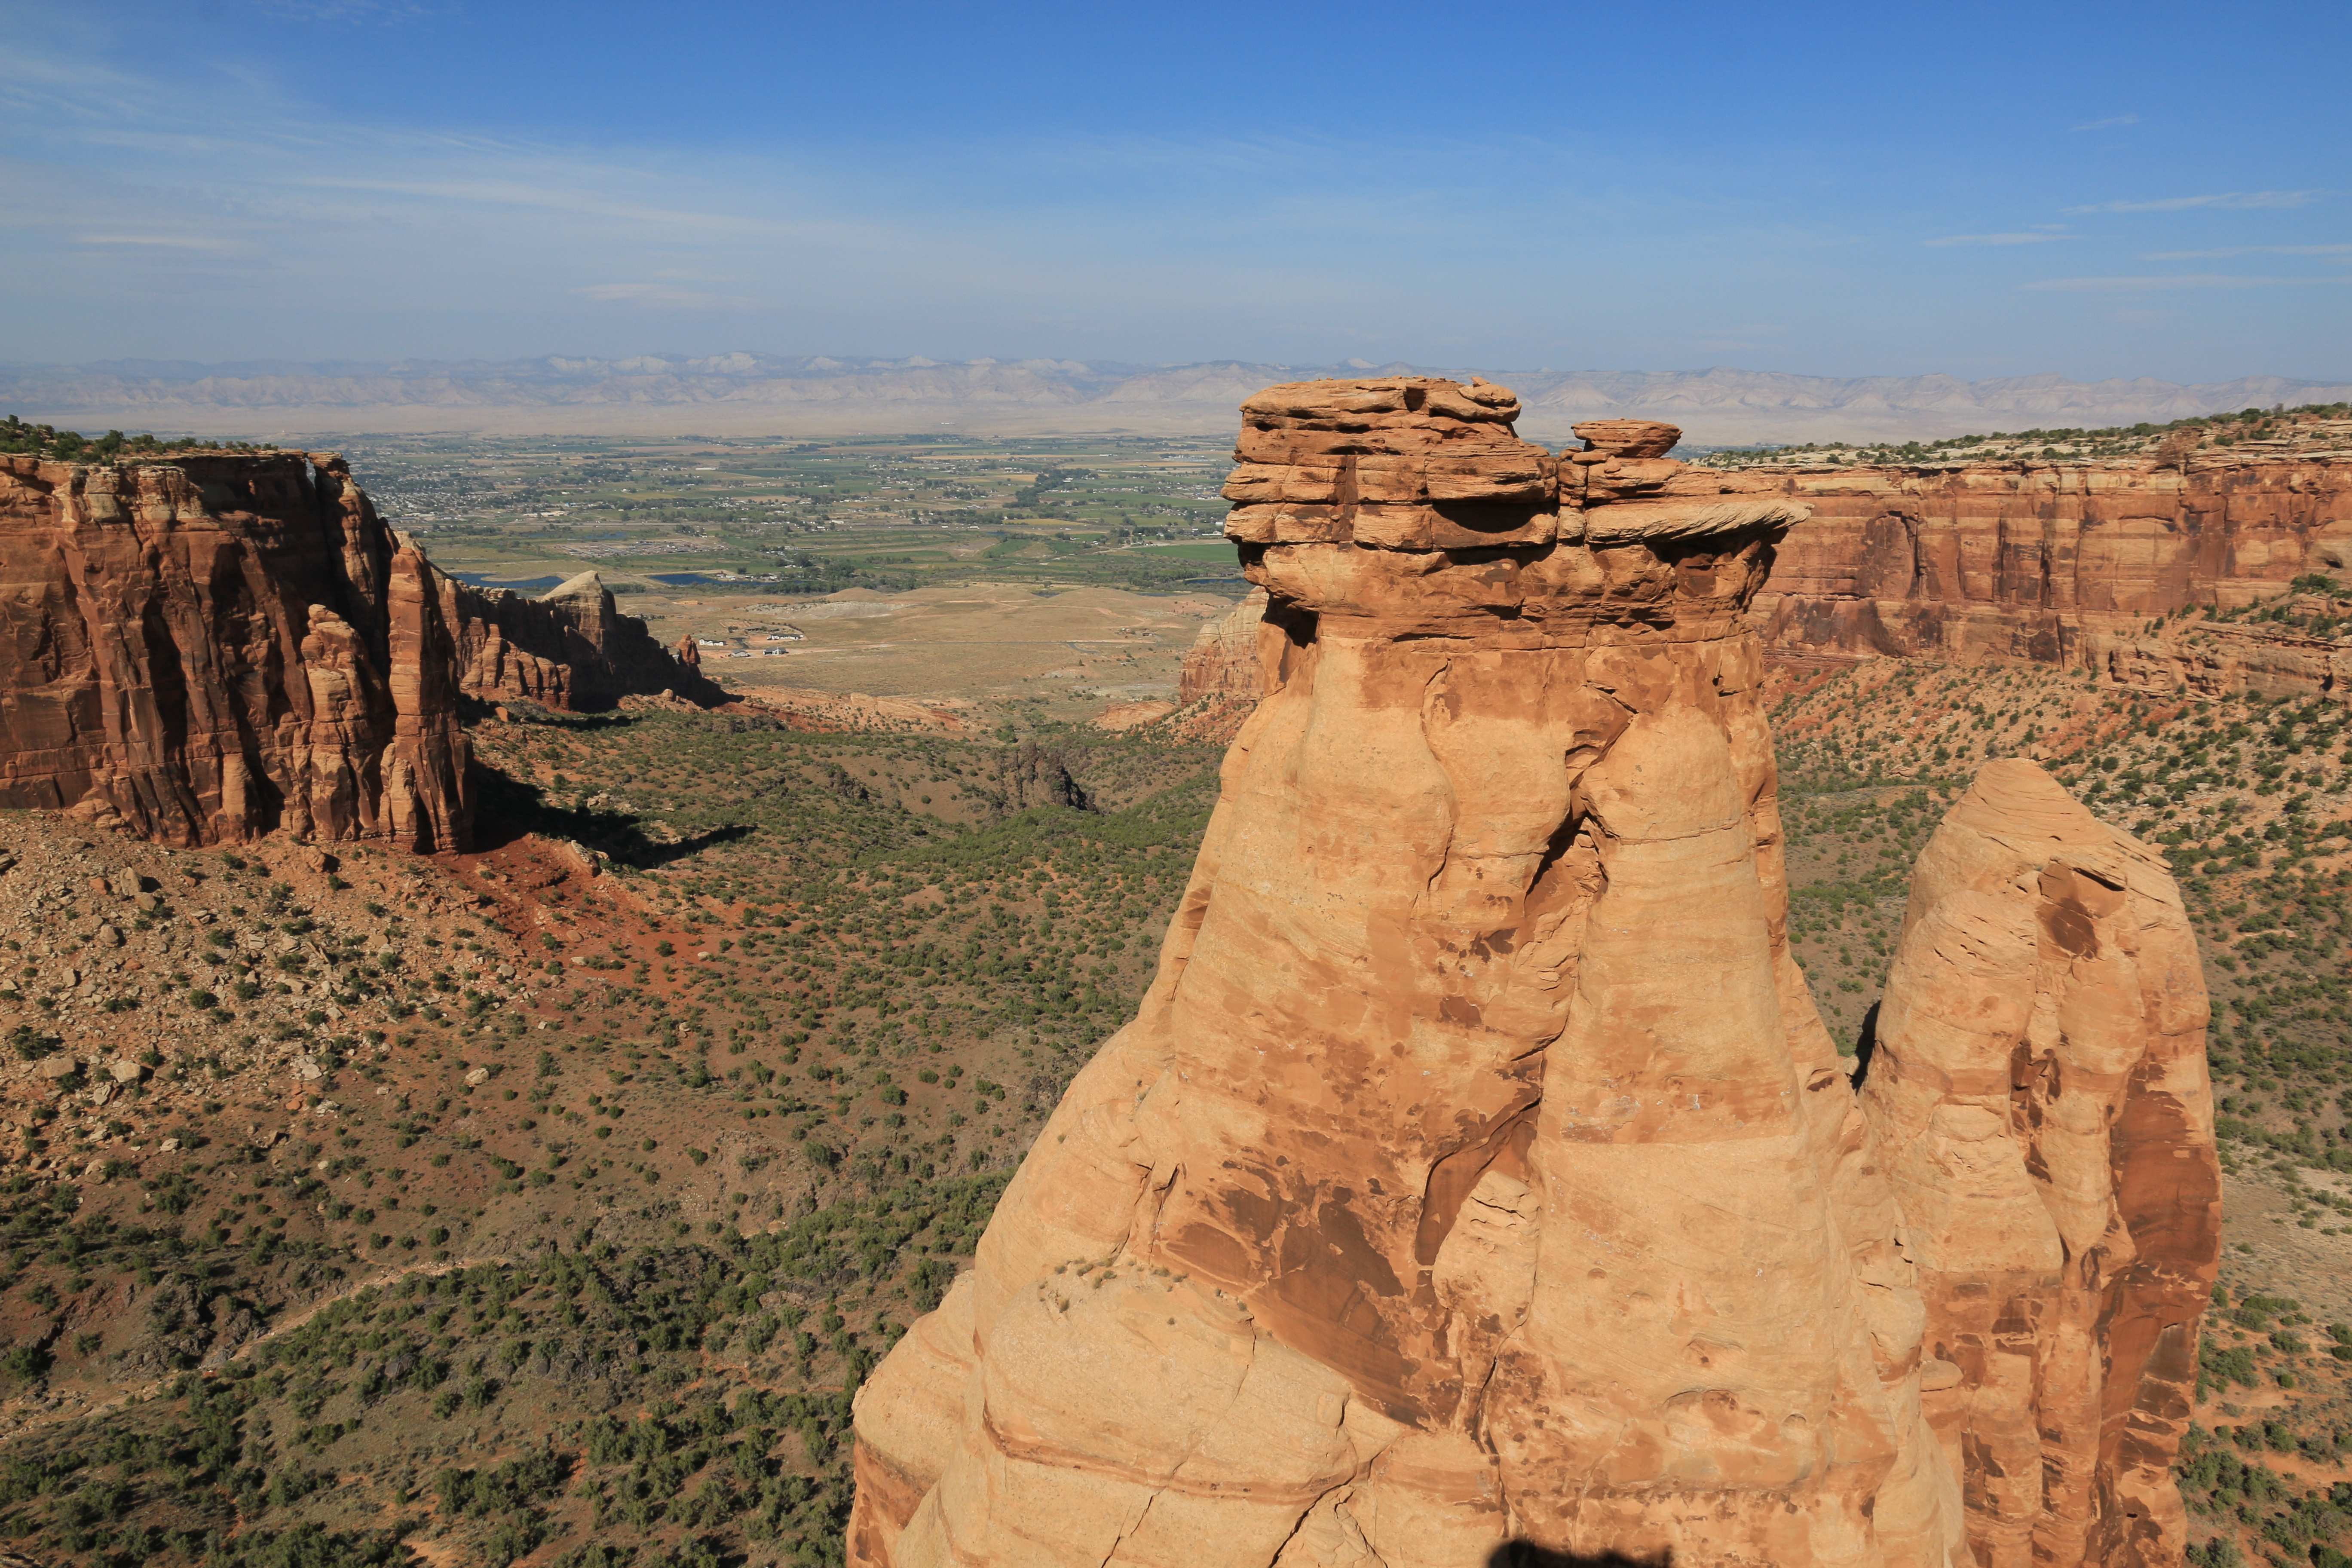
{"x":2039,"y":1092}
{"x":571,"y":648}
{"x":1477,"y":1169}
{"x":1222,"y":663}
{"x":216,"y":648}
{"x":223,"y":646}
{"x":2061,"y":563}
{"x":2056,"y":562}
{"x":1034,"y":775}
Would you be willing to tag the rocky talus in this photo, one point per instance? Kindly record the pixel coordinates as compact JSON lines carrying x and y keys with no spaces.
{"x":1477,"y":1170}
{"x":224,"y":645}
{"x":209,"y":650}
{"x":2038,"y":1089}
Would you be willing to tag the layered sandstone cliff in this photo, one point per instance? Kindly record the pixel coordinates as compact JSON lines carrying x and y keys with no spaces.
{"x":222,"y":645}
{"x":2068,"y":563}
{"x":216,"y":648}
{"x":569,"y":648}
{"x":2039,"y":1092}
{"x":1477,"y":1170}
{"x":1221,"y":664}
{"x":2064,"y":563}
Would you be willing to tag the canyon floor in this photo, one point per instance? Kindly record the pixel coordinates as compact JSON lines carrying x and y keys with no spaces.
{"x":543,"y":1204}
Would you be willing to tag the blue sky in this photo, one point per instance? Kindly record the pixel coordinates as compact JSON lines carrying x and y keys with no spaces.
{"x":2090,"y":189}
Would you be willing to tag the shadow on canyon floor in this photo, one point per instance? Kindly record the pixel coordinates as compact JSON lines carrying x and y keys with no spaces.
{"x":1526,"y":1554}
{"x":507,"y":808}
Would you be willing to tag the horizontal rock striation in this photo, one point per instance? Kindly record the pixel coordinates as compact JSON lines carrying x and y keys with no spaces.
{"x":569,"y":648}
{"x":2062,"y":563}
{"x":216,"y":648}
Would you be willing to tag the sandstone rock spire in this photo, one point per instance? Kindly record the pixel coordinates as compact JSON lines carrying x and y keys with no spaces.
{"x":2039,"y":1089}
{"x":1477,"y":1169}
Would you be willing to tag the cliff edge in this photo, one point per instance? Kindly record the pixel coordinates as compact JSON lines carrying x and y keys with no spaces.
{"x":224,"y":645}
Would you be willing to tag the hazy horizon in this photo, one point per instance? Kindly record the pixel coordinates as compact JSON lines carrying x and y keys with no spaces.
{"x":745,"y":394}
{"x":1846,"y":192}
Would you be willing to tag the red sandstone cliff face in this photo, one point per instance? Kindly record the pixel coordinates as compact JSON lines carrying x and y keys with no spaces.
{"x":569,"y":648}
{"x":223,"y":646}
{"x":2039,"y":1092}
{"x":1220,"y":680}
{"x":219,"y":647}
{"x":2059,"y":562}
{"x":1477,"y":1169}
{"x":1222,"y":663}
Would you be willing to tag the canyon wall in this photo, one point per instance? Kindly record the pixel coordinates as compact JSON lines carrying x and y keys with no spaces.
{"x":1477,"y":1174}
{"x":1222,"y":663}
{"x":2067,"y":564}
{"x":2055,"y":562}
{"x":223,"y":646}
{"x":207,"y":650}
{"x":569,"y":648}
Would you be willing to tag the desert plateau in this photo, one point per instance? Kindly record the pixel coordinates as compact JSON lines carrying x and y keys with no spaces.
{"x":745,"y":1109}
{"x":918,"y":786}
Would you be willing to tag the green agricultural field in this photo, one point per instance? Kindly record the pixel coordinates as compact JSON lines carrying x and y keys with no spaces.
{"x":794,"y":518}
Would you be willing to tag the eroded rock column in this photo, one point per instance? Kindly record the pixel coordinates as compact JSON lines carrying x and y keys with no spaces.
{"x":1477,"y":1169}
{"x":2038,"y":1089}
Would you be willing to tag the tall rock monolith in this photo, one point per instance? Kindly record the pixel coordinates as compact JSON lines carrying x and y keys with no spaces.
{"x":1476,"y":1170}
{"x":2038,"y":1088}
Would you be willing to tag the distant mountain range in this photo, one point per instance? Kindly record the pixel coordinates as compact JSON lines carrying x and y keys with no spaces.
{"x":746,"y":394}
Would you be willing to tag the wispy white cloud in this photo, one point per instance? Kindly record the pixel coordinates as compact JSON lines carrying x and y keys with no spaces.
{"x":2172,"y":281}
{"x":2234,"y":200}
{"x":160,"y":241}
{"x":2224,"y":252}
{"x":664,"y":296}
{"x":346,"y":10}
{"x":2111,"y":122}
{"x":565,"y":195}
{"x":2022,"y":236}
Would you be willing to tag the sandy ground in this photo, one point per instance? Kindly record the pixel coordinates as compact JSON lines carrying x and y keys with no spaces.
{"x":1080,"y":647}
{"x":2265,"y":1248}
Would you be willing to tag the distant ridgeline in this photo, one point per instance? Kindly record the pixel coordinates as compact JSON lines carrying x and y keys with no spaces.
{"x":2218,"y":432}
{"x":773,"y":394}
{"x":214,"y":643}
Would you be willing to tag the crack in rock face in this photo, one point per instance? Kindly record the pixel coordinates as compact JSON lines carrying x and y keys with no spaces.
{"x":1477,"y":1170}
